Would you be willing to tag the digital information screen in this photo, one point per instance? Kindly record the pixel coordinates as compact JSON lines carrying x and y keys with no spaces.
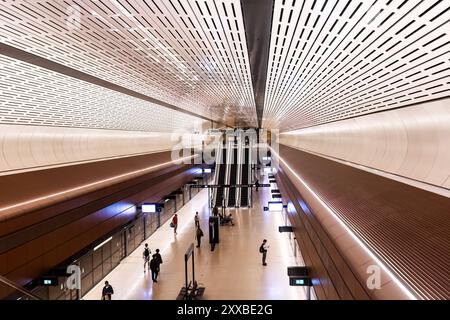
{"x":276,"y":206}
{"x":148,"y":208}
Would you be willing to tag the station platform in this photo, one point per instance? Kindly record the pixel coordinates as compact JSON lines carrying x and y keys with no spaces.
{"x":232,"y":271}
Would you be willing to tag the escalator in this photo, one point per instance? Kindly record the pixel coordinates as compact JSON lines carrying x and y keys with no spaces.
{"x":244,"y":180}
{"x":221,"y":178}
{"x":233,"y":179}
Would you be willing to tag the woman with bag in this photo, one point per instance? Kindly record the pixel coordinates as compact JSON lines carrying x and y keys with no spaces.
{"x":174,"y":223}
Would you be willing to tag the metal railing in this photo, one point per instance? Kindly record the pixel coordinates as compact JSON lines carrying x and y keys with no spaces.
{"x":10,"y":290}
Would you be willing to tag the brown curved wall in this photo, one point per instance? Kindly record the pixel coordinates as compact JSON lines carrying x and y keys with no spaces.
{"x":35,"y":241}
{"x":333,"y":276}
{"x":405,"y":227}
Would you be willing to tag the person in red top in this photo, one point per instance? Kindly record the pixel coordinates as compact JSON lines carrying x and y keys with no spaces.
{"x":175,"y":223}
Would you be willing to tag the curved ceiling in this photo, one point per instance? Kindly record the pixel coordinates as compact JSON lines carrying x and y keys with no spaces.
{"x":191,"y":54}
{"x":31,"y":95}
{"x":335,"y":59}
{"x":328,"y":60}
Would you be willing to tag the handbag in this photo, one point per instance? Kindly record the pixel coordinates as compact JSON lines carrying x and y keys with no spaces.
{"x":172,"y":225}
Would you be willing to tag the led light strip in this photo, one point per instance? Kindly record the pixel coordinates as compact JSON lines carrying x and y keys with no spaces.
{"x":360,"y":243}
{"x":92,"y":184}
{"x":103,"y":243}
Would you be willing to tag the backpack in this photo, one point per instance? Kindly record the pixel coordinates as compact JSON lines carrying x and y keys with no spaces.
{"x":261,"y":249}
{"x":146,"y":252}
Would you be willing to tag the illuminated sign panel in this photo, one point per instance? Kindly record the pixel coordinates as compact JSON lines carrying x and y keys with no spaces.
{"x":49,"y":281}
{"x":299,"y":281}
{"x":276,"y":206}
{"x":149,"y":208}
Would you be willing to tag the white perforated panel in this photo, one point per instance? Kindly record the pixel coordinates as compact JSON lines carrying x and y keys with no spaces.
{"x":330,"y":60}
{"x":30,"y":95}
{"x":191,"y":54}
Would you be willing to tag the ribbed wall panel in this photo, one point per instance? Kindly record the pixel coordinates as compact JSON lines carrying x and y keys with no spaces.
{"x":405,"y":227}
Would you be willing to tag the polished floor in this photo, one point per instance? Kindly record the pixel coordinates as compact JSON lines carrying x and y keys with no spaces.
{"x":232,"y":271}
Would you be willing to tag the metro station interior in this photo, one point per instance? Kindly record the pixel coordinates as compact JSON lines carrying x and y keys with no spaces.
{"x":269,"y":149}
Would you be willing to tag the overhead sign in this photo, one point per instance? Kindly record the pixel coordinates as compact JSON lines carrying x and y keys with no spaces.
{"x":149,"y":208}
{"x":299,"y":281}
{"x":297,"y":271}
{"x":285,"y":229}
{"x":268,"y":170}
{"x":275,"y":206}
{"x":48,"y":281}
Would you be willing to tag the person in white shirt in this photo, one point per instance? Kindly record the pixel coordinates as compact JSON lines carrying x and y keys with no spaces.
{"x":197,"y":220}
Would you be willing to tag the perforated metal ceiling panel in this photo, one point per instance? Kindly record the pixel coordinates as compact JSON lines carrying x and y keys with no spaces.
{"x":30,"y":95}
{"x":330,"y":60}
{"x":191,"y":54}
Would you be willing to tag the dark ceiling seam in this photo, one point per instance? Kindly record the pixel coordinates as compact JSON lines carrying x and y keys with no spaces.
{"x":257,"y":14}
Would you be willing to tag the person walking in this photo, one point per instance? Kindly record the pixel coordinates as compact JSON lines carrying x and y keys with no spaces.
{"x":107,"y":291}
{"x":155,"y":264}
{"x":146,"y":256}
{"x":197,"y":220}
{"x":263,"y":249}
{"x":175,"y":223}
{"x":199,"y":235}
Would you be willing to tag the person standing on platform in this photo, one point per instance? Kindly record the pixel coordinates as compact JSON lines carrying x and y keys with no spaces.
{"x":107,"y":291}
{"x":257,"y":185}
{"x":199,"y":235}
{"x":175,"y":223}
{"x":215,"y":211}
{"x":146,"y":256}
{"x":263,"y":249}
{"x":155,"y":264}
{"x":197,"y":220}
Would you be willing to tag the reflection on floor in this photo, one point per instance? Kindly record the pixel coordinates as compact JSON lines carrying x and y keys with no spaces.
{"x":232,"y":271}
